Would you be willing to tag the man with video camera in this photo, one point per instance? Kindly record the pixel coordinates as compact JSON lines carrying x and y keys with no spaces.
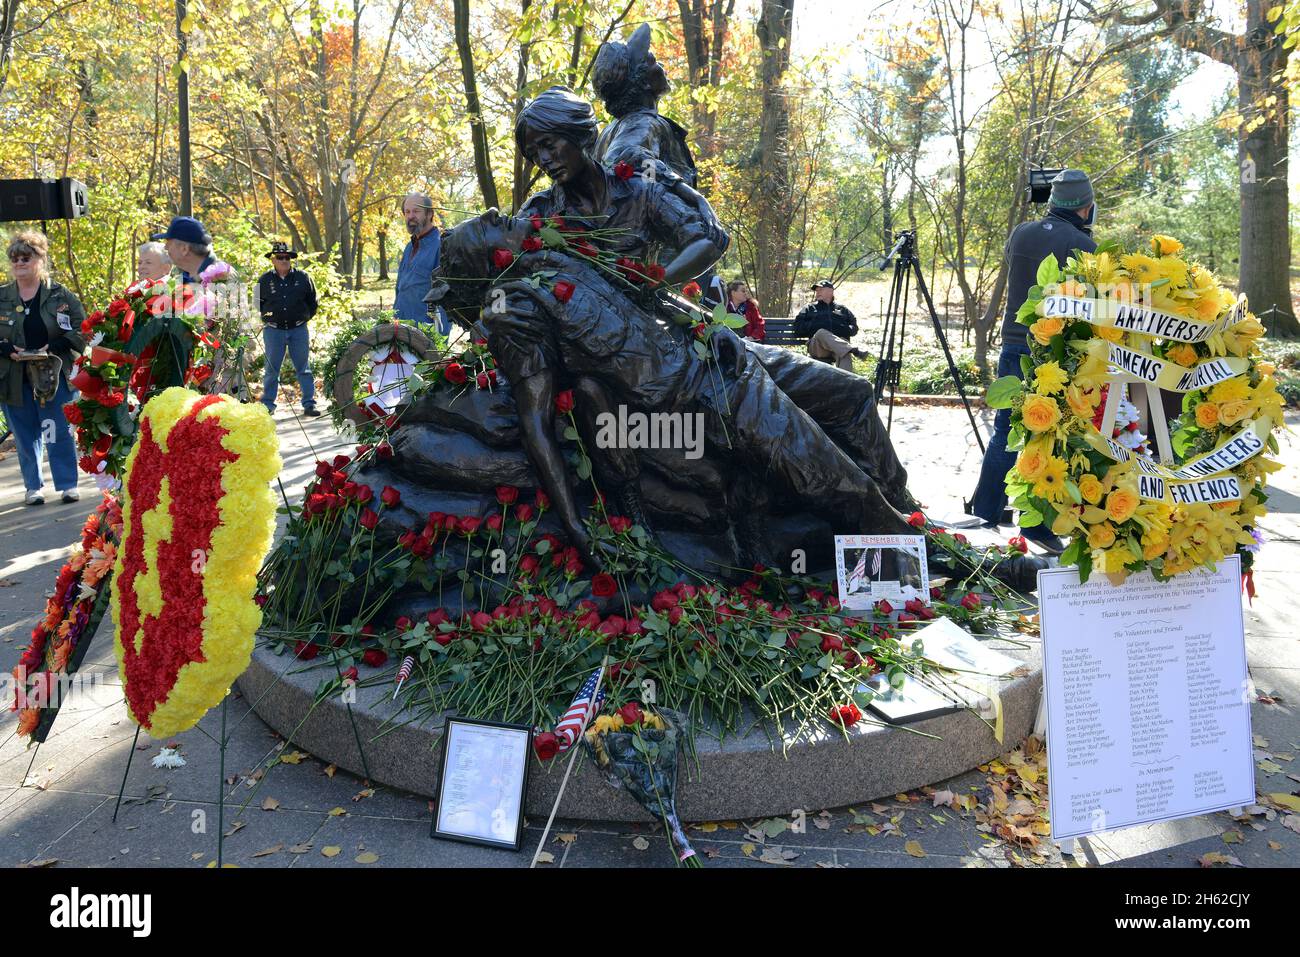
{"x":1067,"y":227}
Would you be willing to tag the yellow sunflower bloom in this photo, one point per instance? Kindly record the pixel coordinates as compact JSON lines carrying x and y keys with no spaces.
{"x":1051,"y":484}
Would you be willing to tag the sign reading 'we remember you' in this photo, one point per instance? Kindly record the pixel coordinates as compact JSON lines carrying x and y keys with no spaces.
{"x":1148,"y":715}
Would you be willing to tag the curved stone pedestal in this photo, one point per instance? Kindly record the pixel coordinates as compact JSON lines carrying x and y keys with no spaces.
{"x":744,"y":777}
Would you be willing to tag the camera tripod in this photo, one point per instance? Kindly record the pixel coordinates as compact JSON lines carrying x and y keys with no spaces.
{"x":889,"y":368}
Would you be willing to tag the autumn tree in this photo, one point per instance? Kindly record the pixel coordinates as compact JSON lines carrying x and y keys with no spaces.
{"x":1259,"y":55}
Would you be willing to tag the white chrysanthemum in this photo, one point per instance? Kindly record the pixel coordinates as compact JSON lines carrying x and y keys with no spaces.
{"x":168,"y":758}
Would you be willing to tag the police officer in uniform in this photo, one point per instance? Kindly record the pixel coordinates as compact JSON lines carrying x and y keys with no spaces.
{"x":1067,"y":227}
{"x":287,"y":302}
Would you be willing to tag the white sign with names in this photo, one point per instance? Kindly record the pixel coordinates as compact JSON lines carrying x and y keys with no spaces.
{"x":1147,"y":695}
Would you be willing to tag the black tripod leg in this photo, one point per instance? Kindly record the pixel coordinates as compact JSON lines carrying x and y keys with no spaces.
{"x":943,"y":341}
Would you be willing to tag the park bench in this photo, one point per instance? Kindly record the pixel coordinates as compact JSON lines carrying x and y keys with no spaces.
{"x":780,"y":332}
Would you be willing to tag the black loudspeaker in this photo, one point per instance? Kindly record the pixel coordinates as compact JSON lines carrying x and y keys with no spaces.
{"x":33,"y":200}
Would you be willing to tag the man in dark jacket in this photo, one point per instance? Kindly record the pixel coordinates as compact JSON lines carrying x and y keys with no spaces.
{"x":1066,"y":227}
{"x":829,"y":327}
{"x":286,"y":298}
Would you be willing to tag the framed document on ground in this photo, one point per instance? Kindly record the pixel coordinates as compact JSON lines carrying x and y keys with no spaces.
{"x":484,"y":774}
{"x":875,"y":567}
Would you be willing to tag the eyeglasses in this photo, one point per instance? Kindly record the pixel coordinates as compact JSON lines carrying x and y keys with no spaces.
{"x":21,"y":257}
{"x":282,"y":259}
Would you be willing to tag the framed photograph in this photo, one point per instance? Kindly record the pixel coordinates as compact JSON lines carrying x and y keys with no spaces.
{"x":912,"y":701}
{"x":484,"y":774}
{"x":875,"y":567}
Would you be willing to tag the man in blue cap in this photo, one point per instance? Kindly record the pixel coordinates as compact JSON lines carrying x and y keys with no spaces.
{"x":189,"y":245}
{"x":1067,"y":227}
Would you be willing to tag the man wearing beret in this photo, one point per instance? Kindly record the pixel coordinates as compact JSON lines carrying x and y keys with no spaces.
{"x":286,"y":299}
{"x":1067,"y":227}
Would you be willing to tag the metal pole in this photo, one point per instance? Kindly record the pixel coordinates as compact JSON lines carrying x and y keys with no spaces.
{"x":129,"y":756}
{"x":221,"y":794}
{"x":183,"y":97}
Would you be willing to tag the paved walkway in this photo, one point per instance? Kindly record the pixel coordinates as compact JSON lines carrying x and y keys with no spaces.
{"x":300,"y":813}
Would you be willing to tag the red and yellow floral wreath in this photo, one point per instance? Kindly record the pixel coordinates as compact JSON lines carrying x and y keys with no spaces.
{"x":198,"y":517}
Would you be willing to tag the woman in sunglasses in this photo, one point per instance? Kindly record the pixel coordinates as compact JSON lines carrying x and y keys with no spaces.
{"x":40,"y":335}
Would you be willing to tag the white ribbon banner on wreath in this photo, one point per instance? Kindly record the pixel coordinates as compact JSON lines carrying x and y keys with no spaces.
{"x":1199,"y":480}
{"x":1144,"y":320}
{"x":1173,"y":377}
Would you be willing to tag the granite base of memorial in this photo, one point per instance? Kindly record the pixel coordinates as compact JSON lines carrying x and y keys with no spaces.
{"x":748,"y":775}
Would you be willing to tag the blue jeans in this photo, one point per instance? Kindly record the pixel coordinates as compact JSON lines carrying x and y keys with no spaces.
{"x":990,"y":496}
{"x":40,"y":427}
{"x":298,"y":343}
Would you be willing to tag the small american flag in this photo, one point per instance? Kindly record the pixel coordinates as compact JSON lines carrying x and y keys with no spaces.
{"x":403,"y":673}
{"x":574,"y":721}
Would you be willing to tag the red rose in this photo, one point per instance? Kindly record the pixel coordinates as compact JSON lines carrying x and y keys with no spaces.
{"x":832,"y":643}
{"x":493,"y":523}
{"x":536,"y":221}
{"x":481,"y":380}
{"x":523,"y":512}
{"x":1019,"y":544}
{"x":936,"y":593}
{"x":604,"y":586}
{"x":502,"y":258}
{"x":390,"y":496}
{"x":630,"y":713}
{"x":369,"y":519}
{"x":846,"y":715}
{"x":611,"y":627}
{"x":542,"y":500}
{"x":437,"y":617}
{"x":351,"y":674}
{"x":374,"y":657}
{"x":632,"y":627}
{"x":619,"y":524}
{"x":455,"y":373}
{"x":507,"y":494}
{"x":72,"y":412}
{"x":624,"y":170}
{"x":103,"y":445}
{"x":403,"y":624}
{"x":117,"y":308}
{"x":529,"y":565}
{"x":468,"y":524}
{"x":663,"y":601}
{"x":584,"y":248}
{"x":364,"y":494}
{"x":675,"y":614}
{"x":916,"y":520}
{"x":480,"y":621}
{"x":904,"y":618}
{"x":384,"y":450}
{"x":563,"y":291}
{"x":306,"y":650}
{"x":564,"y":402}
{"x":970,"y":601}
{"x":532,"y":244}
{"x":655,"y":272}
{"x":546,"y":745}
{"x":914,"y":605}
{"x":691,"y":290}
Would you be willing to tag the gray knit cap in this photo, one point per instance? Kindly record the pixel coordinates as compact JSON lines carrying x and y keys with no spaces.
{"x":1071,"y":189}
